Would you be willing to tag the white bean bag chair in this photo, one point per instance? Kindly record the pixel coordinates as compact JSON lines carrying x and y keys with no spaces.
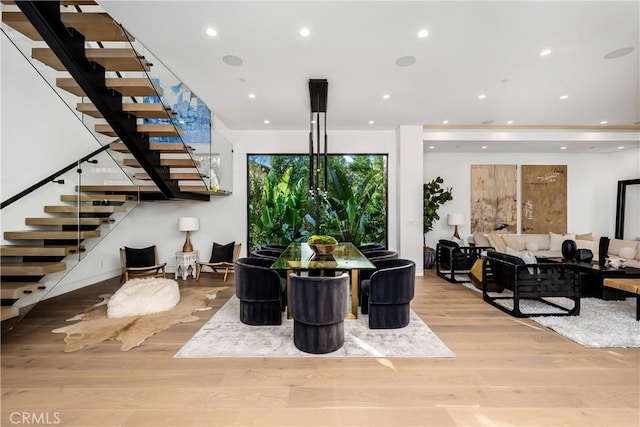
{"x":143,"y":296}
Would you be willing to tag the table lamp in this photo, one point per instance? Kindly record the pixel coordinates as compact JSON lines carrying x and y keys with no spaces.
{"x":188,"y":224}
{"x":455,"y":219}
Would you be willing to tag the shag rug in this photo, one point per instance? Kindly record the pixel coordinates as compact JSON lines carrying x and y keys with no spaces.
{"x":600,"y":324}
{"x":94,"y":326}
{"x":225,"y":336}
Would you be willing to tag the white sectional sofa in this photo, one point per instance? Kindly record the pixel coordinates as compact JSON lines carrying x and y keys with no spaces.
{"x":550,"y":245}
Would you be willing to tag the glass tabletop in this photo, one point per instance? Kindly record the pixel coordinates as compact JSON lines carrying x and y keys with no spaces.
{"x":299,"y":256}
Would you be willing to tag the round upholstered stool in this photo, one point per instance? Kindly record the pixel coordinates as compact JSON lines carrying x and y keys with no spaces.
{"x":318,"y":306}
{"x":143,"y":296}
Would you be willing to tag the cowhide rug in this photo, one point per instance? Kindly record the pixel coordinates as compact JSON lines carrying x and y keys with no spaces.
{"x":94,"y":325}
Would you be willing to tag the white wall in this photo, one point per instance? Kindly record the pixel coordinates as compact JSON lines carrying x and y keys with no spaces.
{"x":591,"y":185}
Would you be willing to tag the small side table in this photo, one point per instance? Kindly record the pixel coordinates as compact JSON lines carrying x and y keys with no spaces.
{"x":186,"y":264}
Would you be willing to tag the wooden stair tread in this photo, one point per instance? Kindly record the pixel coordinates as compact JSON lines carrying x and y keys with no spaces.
{"x":184,"y":176}
{"x":163,"y":147}
{"x":31,"y":268}
{"x":142,"y":110}
{"x":16,"y":290}
{"x":129,"y":86}
{"x":112,"y":59}
{"x":84,"y":209}
{"x":8,"y":312}
{"x":50,"y":220}
{"x":50,"y":235}
{"x":38,"y":250}
{"x":123,"y":189}
{"x":94,"y":26}
{"x":176,"y":163}
{"x":199,"y":189}
{"x":97,"y":198}
{"x":155,"y":129}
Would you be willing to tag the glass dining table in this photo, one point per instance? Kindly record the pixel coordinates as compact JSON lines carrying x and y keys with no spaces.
{"x":299,"y":257}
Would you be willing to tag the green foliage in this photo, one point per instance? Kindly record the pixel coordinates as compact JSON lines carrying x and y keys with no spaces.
{"x":434,"y":196}
{"x":277,"y":217}
{"x":281,"y":212}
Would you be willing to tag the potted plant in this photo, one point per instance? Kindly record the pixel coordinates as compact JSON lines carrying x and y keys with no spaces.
{"x":434,"y":196}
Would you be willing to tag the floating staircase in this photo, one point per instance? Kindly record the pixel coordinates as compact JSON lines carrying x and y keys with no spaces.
{"x":44,"y":248}
{"x":113,"y":101}
{"x":94,"y":59}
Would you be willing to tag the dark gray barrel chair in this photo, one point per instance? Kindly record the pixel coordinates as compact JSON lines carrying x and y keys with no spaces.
{"x":389,"y":292}
{"x":318,"y":306}
{"x":261,"y":291}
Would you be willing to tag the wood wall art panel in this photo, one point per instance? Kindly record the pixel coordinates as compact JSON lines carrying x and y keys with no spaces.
{"x":544,"y":199}
{"x":493,"y":198}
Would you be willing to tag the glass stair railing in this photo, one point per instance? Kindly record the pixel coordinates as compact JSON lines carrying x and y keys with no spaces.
{"x":175,"y":121}
{"x":68,"y":221}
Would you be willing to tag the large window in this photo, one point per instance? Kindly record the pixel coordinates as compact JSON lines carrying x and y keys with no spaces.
{"x":281,"y":210}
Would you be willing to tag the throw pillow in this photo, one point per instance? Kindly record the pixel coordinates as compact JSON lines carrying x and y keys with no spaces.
{"x":585,"y":236}
{"x":555,"y":240}
{"x":144,"y":257}
{"x":525,"y":256}
{"x":222,"y":253}
{"x":532,"y":246}
{"x":480,"y":239}
{"x":587,"y":244}
{"x":497,"y":242}
{"x":514,"y":242}
{"x":627,"y":253}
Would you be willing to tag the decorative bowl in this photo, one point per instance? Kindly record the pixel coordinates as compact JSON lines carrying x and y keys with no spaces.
{"x":323,"y":250}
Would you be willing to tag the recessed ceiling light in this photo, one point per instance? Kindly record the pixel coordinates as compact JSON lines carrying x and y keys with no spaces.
{"x":386,"y":96}
{"x":405,"y":61}
{"x":445,"y":122}
{"x":305,"y":32}
{"x":266,"y":122}
{"x":482,"y":96}
{"x":212,"y":32}
{"x":563,"y":97}
{"x":313,"y":122}
{"x":232,"y":60}
{"x":619,"y":52}
{"x":510,"y":122}
{"x":604,"y":122}
{"x":252,"y":95}
{"x":545,"y":52}
{"x":484,"y":147}
{"x":563,"y":148}
{"x":431,"y":147}
{"x":371,"y":122}
{"x":621,"y":147}
{"x":423,"y":33}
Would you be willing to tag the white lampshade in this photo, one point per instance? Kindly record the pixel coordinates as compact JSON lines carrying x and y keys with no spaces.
{"x":455,"y":219}
{"x":188,"y":223}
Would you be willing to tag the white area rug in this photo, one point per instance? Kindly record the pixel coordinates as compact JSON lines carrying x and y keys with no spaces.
{"x":225,"y":336}
{"x":601,"y":324}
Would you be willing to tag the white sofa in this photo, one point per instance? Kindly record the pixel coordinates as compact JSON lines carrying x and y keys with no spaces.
{"x":629,"y":250}
{"x":550,"y":245}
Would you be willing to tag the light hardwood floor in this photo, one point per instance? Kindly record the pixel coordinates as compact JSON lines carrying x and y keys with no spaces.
{"x":507,"y":372}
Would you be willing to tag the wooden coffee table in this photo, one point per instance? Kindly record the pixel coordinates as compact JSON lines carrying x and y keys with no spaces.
{"x":629,"y":286}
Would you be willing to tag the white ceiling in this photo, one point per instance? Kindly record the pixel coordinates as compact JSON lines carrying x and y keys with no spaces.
{"x":473,"y":48}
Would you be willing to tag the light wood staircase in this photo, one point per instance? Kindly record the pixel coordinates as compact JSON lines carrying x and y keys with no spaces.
{"x":42,"y":249}
{"x":113,"y":104}
{"x":173,"y":177}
